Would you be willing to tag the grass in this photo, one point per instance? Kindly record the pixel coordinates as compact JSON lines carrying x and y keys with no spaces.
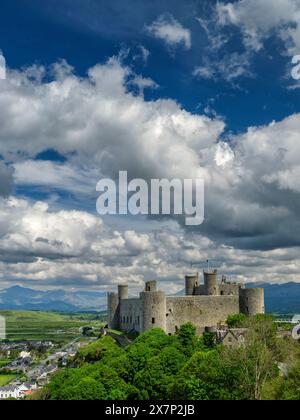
{"x":117,"y":332}
{"x":6,"y":379}
{"x":4,"y":363}
{"x":47,"y":326}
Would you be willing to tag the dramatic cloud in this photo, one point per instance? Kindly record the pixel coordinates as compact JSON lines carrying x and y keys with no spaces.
{"x":101,"y":126}
{"x":102,"y":122}
{"x":171,"y":32}
{"x":43,"y":249}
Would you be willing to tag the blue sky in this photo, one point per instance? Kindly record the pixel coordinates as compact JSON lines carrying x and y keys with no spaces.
{"x":86,"y":33}
{"x":162,"y":89}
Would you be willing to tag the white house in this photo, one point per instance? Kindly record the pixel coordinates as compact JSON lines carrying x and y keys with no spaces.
{"x":16,"y":391}
{"x":9,"y":392}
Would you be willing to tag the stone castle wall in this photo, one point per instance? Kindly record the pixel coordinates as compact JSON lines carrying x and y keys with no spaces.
{"x":154,"y":310}
{"x":202,"y":311}
{"x":130,"y":315}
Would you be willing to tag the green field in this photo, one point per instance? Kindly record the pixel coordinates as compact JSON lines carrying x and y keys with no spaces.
{"x":6,"y":379}
{"x":4,"y":363}
{"x":47,"y":326}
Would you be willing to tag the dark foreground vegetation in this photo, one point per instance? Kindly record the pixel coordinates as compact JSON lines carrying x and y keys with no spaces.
{"x":157,"y":366}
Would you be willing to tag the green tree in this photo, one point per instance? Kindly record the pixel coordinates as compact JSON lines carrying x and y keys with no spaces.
{"x":146,"y":346}
{"x":188,"y":339}
{"x":159,"y":373}
{"x":236,"y":321}
{"x":209,"y":376}
{"x":284,"y":387}
{"x":209,"y":340}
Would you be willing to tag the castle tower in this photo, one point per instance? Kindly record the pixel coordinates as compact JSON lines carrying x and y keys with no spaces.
{"x":252,"y":301}
{"x":153,"y":310}
{"x":211,"y":283}
{"x":113,"y":310}
{"x":123,"y":292}
{"x":151,"y":286}
{"x":191,"y":282}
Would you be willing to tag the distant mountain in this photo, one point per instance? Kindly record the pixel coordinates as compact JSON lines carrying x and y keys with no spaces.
{"x":20,"y":298}
{"x":281,"y":298}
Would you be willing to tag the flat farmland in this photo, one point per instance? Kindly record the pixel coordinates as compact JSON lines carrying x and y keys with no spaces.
{"x":47,"y":326}
{"x":6,"y":379}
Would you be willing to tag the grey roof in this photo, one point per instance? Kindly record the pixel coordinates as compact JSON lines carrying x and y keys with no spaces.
{"x":8,"y":389}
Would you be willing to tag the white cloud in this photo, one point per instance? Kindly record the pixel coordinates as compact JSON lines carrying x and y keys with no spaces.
{"x":224,"y":154}
{"x":2,"y":66}
{"x":171,"y":32}
{"x":252,"y":203}
{"x":105,"y":125}
{"x":229,"y":68}
{"x":258,"y":19}
{"x":69,"y":176}
{"x":67,"y":248}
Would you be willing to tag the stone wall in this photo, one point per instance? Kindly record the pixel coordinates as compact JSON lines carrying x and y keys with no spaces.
{"x":229,"y":289}
{"x":130,"y":315}
{"x":202,"y":311}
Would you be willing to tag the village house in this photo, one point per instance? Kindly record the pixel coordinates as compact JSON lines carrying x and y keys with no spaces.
{"x":233,"y":338}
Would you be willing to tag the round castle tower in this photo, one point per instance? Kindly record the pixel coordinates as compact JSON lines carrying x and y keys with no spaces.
{"x":153,"y":308}
{"x":252,"y":301}
{"x":211,"y":283}
{"x":191,"y":282}
{"x":113,"y":310}
{"x":123,"y":291}
{"x":113,"y":306}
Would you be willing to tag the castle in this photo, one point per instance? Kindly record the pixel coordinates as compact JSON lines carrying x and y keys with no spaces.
{"x":205,"y":305}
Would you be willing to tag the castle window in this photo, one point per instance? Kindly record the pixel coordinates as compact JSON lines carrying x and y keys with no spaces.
{"x":153,"y":320}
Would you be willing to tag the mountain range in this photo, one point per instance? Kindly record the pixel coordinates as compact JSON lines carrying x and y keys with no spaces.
{"x":20,"y":298}
{"x":280,"y":298}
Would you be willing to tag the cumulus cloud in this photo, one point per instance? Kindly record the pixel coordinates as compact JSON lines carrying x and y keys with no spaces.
{"x":224,"y":154}
{"x":252,"y":201}
{"x":168,"y":29}
{"x":100,"y":120}
{"x":41,"y":248}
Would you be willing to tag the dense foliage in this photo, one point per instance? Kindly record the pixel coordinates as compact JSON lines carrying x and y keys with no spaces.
{"x":157,"y":366}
